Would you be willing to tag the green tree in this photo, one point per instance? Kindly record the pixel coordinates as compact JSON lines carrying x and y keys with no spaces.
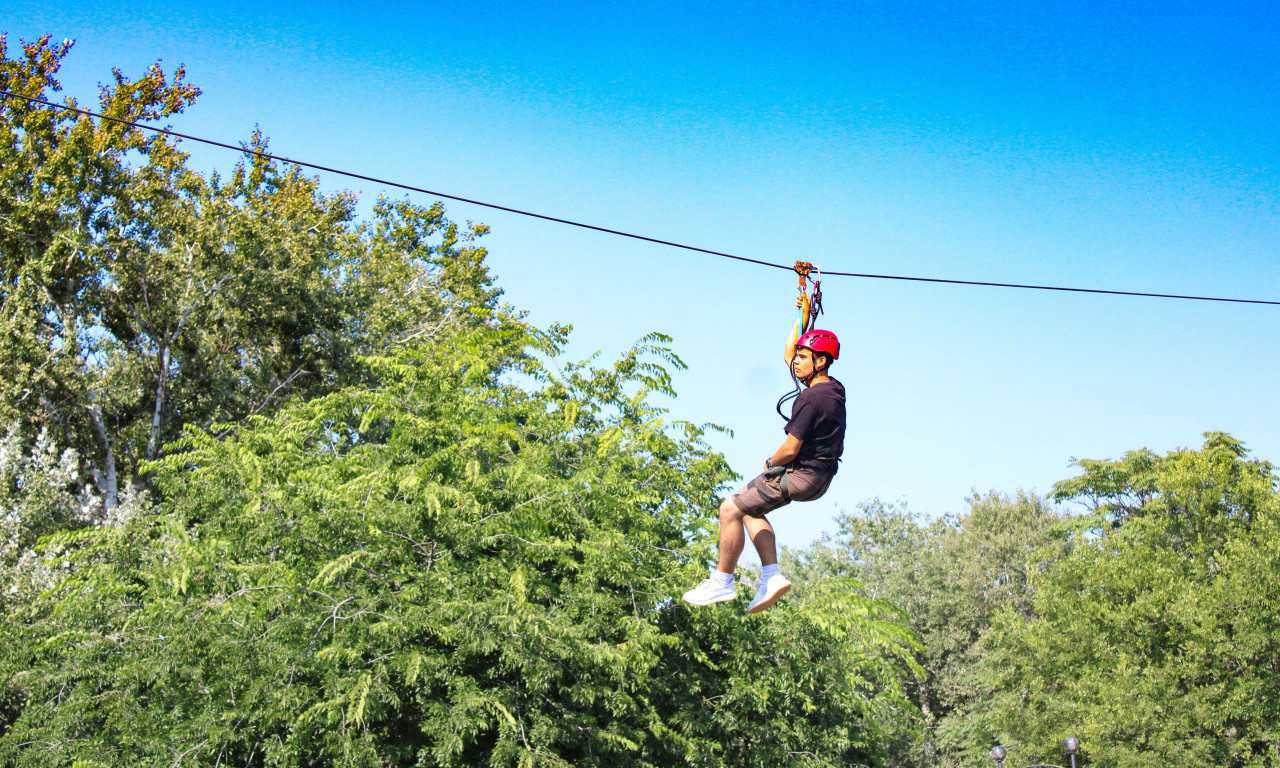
{"x":67,"y":199}
{"x":444,"y":568}
{"x":1155,"y":643}
{"x":139,"y":296}
{"x":949,"y":577}
{"x":41,"y":493}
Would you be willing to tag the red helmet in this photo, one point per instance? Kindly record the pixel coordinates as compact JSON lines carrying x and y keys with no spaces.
{"x":819,"y":340}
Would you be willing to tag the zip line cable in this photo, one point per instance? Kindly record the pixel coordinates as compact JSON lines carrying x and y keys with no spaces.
{"x":384,"y":182}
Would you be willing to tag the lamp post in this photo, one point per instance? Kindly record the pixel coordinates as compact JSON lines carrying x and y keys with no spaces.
{"x":997,"y":754}
{"x":1073,"y":746}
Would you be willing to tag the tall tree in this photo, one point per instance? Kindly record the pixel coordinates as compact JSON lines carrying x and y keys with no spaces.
{"x":139,"y":296}
{"x":949,"y":576}
{"x":1156,"y":642}
{"x":442,"y":569}
{"x":72,"y":207}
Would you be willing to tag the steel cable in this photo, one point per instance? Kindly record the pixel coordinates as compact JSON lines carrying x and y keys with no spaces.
{"x":619,"y":233}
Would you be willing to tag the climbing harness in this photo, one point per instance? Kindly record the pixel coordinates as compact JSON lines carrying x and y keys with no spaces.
{"x":809,"y":302}
{"x":780,"y":473}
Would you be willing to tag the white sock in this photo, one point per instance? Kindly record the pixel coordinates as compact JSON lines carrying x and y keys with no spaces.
{"x":770,"y":571}
{"x":723,"y":579}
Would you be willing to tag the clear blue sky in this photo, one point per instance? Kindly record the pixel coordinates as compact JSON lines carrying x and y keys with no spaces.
{"x":1131,"y":146}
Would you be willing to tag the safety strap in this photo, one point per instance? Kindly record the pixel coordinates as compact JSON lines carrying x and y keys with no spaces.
{"x":786,"y":490}
{"x":808,"y":302}
{"x":810,"y":305}
{"x":788,"y":397}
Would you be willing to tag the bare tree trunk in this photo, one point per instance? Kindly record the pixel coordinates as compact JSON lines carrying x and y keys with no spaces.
{"x":157,"y":416}
{"x":108,"y":484}
{"x":105,"y":478}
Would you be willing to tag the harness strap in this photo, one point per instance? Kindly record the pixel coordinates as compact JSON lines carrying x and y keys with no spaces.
{"x":786,"y":491}
{"x":803,"y":270}
{"x":810,"y":306}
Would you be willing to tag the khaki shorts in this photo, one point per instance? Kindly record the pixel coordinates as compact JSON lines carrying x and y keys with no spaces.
{"x":765,"y":492}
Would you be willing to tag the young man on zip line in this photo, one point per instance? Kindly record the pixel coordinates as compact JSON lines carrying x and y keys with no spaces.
{"x":800,"y":470}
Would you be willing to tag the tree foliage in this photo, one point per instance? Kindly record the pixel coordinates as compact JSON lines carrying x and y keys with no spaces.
{"x":949,"y":577}
{"x":139,"y":296}
{"x":41,"y":493}
{"x":444,"y":569}
{"x":1156,"y":642}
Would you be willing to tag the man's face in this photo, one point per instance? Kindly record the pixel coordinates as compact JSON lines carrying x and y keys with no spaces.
{"x":802,"y":364}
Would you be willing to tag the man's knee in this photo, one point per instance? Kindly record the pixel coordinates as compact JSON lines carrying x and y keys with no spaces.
{"x":729,"y":512}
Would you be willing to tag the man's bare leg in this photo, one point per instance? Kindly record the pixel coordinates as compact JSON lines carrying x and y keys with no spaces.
{"x":772,"y":583}
{"x":734,"y":526}
{"x":761,"y":533}
{"x":732,"y":540}
{"x":731,"y":536}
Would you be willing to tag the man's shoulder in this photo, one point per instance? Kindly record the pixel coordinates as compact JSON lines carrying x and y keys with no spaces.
{"x":827,"y":390}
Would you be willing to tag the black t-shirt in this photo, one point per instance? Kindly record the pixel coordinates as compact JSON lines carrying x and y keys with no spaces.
{"x":817,"y":418}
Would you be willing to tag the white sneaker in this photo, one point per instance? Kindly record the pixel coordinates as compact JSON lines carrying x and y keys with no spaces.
{"x":770,"y":590}
{"x":710,"y":592}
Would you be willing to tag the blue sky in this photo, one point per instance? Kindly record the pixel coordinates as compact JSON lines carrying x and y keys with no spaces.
{"x":1131,"y":146}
